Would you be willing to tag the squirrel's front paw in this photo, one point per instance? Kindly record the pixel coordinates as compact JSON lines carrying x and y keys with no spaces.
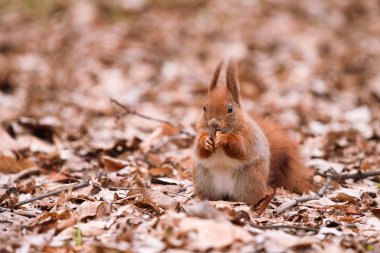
{"x":220,"y":139}
{"x":208,"y":144}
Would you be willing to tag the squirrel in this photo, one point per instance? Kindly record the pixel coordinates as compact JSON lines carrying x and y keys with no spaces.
{"x":237,"y":157}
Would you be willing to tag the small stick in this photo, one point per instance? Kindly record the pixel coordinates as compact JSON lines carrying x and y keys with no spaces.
{"x":52,"y":193}
{"x":357,"y":176}
{"x":323,"y":189}
{"x":6,"y":221}
{"x":127,"y":111}
{"x":27,"y":172}
{"x":329,"y":177}
{"x":128,"y":189}
{"x":133,"y":112}
{"x":29,"y":214}
{"x":291,"y":226}
{"x":286,"y":205}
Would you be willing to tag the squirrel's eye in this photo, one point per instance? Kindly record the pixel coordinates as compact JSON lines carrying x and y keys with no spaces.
{"x":230,"y":109}
{"x":204,"y":108}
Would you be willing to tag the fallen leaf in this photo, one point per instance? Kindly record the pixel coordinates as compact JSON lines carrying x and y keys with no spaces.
{"x":155,"y":199}
{"x":112,"y":164}
{"x":27,"y":187}
{"x":13,"y":164}
{"x":223,"y":233}
{"x":349,"y":219}
{"x":342,"y":197}
{"x":90,"y":209}
{"x":376,"y":212}
{"x":264,"y":203}
{"x":365,"y":166}
{"x":203,"y":210}
{"x":164,"y":171}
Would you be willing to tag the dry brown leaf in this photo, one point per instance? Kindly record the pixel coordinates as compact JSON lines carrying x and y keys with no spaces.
{"x":204,"y":210}
{"x":342,"y":197}
{"x":352,"y":211}
{"x":169,"y":130}
{"x":211,"y":234}
{"x":165,"y":171}
{"x":264,"y":203}
{"x":63,"y":224}
{"x":137,"y":182}
{"x":115,"y":181}
{"x":90,"y":209}
{"x":323,"y":84}
{"x":376,"y":212}
{"x":155,"y":199}
{"x":3,"y":194}
{"x":349,"y":219}
{"x":365,"y":166}
{"x":13,"y":164}
{"x":48,"y":220}
{"x":112,"y":164}
{"x":27,"y":187}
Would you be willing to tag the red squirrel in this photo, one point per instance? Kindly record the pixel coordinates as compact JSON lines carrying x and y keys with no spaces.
{"x":238,"y":157}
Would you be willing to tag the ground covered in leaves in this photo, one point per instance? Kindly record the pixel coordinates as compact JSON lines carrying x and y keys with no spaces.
{"x":123,"y":182}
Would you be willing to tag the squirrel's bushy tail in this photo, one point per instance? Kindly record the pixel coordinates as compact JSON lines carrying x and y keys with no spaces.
{"x":286,"y":167}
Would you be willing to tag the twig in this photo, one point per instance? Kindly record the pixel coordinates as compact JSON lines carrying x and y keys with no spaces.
{"x":286,"y":205}
{"x":290,"y":226}
{"x":323,"y":189}
{"x":145,"y":188}
{"x":6,"y":221}
{"x":28,"y":172}
{"x":128,"y":110}
{"x":52,"y":193}
{"x":357,"y":176}
{"x":29,"y":214}
{"x":329,"y":177}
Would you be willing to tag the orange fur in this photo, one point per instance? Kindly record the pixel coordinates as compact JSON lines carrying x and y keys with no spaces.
{"x":286,"y":167}
{"x":237,"y":157}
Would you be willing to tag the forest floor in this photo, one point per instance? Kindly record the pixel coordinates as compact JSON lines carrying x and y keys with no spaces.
{"x":122,"y":182}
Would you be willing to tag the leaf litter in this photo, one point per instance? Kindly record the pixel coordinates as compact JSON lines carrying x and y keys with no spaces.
{"x":117,"y":177}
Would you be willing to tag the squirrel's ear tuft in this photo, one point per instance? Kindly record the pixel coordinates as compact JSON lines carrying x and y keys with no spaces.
{"x":232,"y":81}
{"x":215,"y":76}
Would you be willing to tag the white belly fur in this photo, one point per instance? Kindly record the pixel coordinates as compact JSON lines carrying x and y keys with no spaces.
{"x":222,"y":168}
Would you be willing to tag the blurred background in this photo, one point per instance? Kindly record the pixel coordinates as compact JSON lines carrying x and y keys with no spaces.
{"x":311,"y":65}
{"x":314,"y":65}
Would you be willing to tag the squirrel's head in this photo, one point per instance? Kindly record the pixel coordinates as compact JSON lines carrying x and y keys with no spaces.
{"x":222,"y":110}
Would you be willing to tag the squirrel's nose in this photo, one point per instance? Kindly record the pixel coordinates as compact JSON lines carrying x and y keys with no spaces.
{"x":214,"y":123}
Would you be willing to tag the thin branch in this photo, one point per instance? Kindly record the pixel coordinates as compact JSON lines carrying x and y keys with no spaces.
{"x":128,"y":110}
{"x":286,"y":205}
{"x":324,"y":187}
{"x":26,"y":213}
{"x":27,"y":173}
{"x":145,"y":188}
{"x":53,"y":193}
{"x":329,"y":177}
{"x":356,"y":176}
{"x":6,"y":221}
{"x":290,"y":226}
